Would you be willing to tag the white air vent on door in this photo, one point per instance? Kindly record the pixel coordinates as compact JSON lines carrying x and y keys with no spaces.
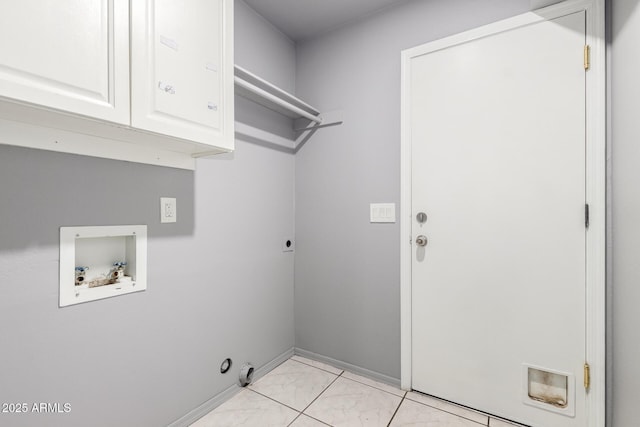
{"x":549,"y":389}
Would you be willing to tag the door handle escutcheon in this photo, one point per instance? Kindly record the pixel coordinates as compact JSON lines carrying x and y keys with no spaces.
{"x":422,"y":240}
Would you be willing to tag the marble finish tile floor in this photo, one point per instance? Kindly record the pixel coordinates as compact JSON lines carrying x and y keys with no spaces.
{"x":306,"y":393}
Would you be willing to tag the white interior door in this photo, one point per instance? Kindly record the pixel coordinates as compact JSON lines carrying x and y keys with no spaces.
{"x":498,"y":167}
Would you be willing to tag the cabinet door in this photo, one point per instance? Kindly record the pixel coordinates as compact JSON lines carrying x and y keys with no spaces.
{"x":182,"y":69}
{"x":69,"y":55}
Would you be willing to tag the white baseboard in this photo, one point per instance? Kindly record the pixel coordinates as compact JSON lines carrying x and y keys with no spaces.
{"x":228,"y":393}
{"x":348,"y":367}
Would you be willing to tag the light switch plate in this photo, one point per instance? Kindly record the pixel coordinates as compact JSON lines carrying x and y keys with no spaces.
{"x":383,"y":212}
{"x":168,"y":212}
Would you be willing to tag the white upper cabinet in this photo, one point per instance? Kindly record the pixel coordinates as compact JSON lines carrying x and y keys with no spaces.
{"x":67,"y":82}
{"x":70,"y":55}
{"x":182,"y":69}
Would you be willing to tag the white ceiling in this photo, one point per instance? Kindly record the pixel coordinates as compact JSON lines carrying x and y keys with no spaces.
{"x":301,"y":19}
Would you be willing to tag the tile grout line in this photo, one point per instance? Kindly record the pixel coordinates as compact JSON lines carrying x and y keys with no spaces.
{"x":358,"y":382}
{"x":248,"y":387}
{"x":294,"y":420}
{"x":397,"y":409}
{"x":453,"y":413}
{"x":301,"y":414}
{"x":318,"y":396}
{"x":437,"y":409}
{"x":317,"y":367}
{"x":315,"y":419}
{"x":404,"y":396}
{"x":342,"y":371}
{"x":273,"y":400}
{"x":377,"y":388}
{"x":322,"y":392}
{"x":352,"y":379}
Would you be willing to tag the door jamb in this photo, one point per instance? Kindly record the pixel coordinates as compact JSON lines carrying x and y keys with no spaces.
{"x":595,"y":322}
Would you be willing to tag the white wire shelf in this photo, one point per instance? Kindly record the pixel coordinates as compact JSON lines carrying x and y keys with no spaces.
{"x":258,"y":90}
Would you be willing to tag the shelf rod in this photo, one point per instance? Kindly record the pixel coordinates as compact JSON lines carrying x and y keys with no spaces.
{"x":284,"y":104}
{"x":326,"y":125}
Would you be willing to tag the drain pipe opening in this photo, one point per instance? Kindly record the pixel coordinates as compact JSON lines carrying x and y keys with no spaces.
{"x":246,"y":375}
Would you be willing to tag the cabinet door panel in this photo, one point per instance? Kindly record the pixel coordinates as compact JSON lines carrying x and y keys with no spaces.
{"x":182,"y":69}
{"x":71,"y":55}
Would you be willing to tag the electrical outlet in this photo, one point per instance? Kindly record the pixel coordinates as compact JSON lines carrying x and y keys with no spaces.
{"x":288,"y":244}
{"x":168,"y":212}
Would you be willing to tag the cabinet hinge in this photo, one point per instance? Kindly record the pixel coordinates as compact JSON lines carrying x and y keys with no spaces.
{"x":587,"y":57}
{"x":586,"y":215}
{"x":587,"y":376}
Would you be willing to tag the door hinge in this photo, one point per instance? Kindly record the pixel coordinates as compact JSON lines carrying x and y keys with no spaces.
{"x":587,"y":376}
{"x":586,"y":215}
{"x":587,"y":57}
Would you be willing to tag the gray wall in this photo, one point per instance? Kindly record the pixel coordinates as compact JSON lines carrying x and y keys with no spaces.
{"x":347,"y":275}
{"x":347,"y":286}
{"x":625,"y":108}
{"x":218,"y":284}
{"x":263,"y":49}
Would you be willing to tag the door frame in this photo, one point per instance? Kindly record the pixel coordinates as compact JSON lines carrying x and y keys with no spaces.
{"x":595,"y":170}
